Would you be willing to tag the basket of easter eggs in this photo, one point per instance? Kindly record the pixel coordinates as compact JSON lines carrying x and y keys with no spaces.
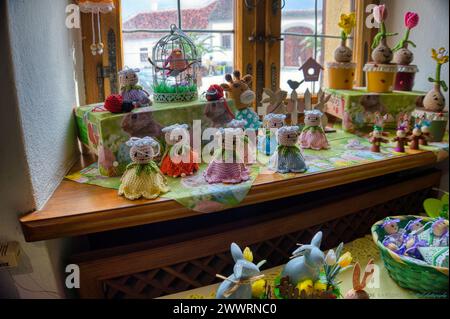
{"x":401,"y":238}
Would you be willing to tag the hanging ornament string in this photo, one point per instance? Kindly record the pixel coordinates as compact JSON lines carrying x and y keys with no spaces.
{"x":100,"y":45}
{"x":94,"y":42}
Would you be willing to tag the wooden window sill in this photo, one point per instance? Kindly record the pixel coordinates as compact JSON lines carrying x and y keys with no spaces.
{"x":80,"y":209}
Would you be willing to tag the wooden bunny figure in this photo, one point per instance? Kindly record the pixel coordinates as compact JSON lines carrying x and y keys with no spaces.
{"x":322,"y":106}
{"x":276,"y":100}
{"x":306,"y":262}
{"x":239,"y":284}
{"x":377,"y":136}
{"x":358,"y":291}
{"x":416,"y":136}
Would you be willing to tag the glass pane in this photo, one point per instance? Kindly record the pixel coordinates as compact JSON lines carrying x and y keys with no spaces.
{"x":299,"y":17}
{"x":332,"y":10}
{"x":216,"y":50}
{"x":295,"y":50}
{"x":207,"y":14}
{"x":149,"y":14}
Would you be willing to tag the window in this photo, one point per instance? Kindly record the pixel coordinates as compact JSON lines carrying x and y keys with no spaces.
{"x":210,"y":23}
{"x":226,"y":41}
{"x":309,"y":29}
{"x":144,"y":55}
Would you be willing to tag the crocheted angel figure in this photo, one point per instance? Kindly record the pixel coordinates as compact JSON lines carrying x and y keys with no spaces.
{"x":227,"y":165}
{"x":313,"y":136}
{"x":130,"y":90}
{"x":178,"y":159}
{"x":268,"y":144}
{"x":288,"y":157}
{"x":142,"y":177}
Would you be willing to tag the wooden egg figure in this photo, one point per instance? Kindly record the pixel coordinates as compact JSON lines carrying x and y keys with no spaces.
{"x":401,"y":139}
{"x":142,"y":177}
{"x":377,"y":137}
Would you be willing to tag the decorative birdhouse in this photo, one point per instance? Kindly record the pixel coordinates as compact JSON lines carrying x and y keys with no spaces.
{"x":311,"y":70}
{"x":176,"y":63}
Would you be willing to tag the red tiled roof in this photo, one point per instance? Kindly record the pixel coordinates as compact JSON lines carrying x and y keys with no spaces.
{"x":191,"y":19}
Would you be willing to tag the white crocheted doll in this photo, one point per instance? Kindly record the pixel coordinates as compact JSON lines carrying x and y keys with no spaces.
{"x":313,"y":136}
{"x":288,"y":158}
{"x":142,"y":177}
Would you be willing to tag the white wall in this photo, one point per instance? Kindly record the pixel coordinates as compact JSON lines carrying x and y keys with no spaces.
{"x":37,"y":133}
{"x":432,"y":32}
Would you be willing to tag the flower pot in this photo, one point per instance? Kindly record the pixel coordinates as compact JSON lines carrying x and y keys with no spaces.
{"x":404,"y":80}
{"x":438,"y":123}
{"x":341,"y":75}
{"x":380,"y":77}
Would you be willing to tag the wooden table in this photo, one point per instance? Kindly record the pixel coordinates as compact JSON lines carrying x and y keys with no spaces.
{"x":80,"y":209}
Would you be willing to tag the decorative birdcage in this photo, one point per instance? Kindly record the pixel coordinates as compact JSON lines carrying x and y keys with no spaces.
{"x":176,"y":65}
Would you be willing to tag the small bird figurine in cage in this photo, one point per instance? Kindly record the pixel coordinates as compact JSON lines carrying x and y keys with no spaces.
{"x":176,"y":61}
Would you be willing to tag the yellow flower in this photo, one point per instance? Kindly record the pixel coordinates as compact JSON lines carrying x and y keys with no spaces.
{"x":258,"y":288}
{"x":248,"y":255}
{"x":320,"y":286}
{"x":440,"y":56}
{"x":347,"y":22}
{"x":345,"y":259}
{"x":307,"y":286}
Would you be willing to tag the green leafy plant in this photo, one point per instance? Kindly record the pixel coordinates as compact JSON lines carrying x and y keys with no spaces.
{"x":164,"y":88}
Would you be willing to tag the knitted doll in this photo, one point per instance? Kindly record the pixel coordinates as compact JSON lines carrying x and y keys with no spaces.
{"x":239,"y":90}
{"x":142,"y":177}
{"x":401,"y":139}
{"x":288,"y":157}
{"x":178,"y":159}
{"x":395,"y":237}
{"x":130,"y":90}
{"x":227,"y":165}
{"x":267,"y":144}
{"x":248,"y":143}
{"x":313,"y":135}
{"x":217,"y":109}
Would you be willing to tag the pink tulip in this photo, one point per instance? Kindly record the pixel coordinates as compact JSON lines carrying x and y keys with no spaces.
{"x":380,"y":13}
{"x":411,"y":20}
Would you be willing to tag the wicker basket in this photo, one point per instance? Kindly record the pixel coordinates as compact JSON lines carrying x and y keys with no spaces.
{"x":405,"y":272}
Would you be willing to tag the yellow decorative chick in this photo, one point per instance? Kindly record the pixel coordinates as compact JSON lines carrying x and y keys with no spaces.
{"x":248,"y":255}
{"x":320,"y":286}
{"x":258,"y":288}
{"x":307,"y":286}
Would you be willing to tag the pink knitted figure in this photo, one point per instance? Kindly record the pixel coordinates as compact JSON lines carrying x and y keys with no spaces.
{"x":313,"y":135}
{"x":227,"y":166}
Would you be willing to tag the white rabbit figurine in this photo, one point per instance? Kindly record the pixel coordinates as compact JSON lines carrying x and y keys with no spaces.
{"x":239,"y":284}
{"x":306,"y":262}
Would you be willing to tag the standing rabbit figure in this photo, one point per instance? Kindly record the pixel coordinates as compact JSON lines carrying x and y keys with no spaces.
{"x":306,"y":262}
{"x":358,"y":291}
{"x":322,"y":106}
{"x":239,"y":284}
{"x":276,"y":100}
{"x":377,"y":137}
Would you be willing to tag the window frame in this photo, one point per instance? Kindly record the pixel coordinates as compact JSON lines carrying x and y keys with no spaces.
{"x":249,"y":57}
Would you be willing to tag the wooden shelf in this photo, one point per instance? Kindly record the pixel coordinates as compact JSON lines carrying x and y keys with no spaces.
{"x":80,"y":209}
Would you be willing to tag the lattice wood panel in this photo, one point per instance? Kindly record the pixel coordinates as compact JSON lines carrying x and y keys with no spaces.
{"x":201,"y":272}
